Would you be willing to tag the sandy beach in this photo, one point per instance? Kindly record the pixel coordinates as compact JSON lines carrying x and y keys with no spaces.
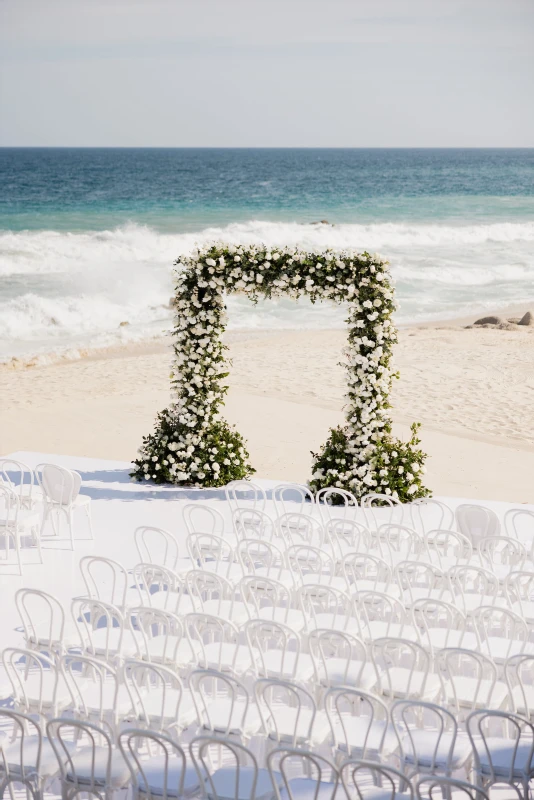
{"x":472,"y":390}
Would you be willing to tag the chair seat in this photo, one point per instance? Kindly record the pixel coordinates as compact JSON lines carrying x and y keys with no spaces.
{"x":502,"y":755}
{"x":160,"y":709}
{"x":224,"y":783}
{"x":154,"y":773}
{"x":80,"y":501}
{"x":281,"y":574}
{"x":466,"y":689}
{"x":292,"y":726}
{"x":41,"y":639}
{"x":236,"y":612}
{"x":307,"y":789}
{"x":341,"y":673}
{"x":364,"y":739}
{"x":445,"y":637}
{"x":499,"y":649}
{"x":232,"y":572}
{"x":471,"y":602}
{"x":278,"y":664}
{"x":172,"y":601}
{"x":49,"y":764}
{"x":429,"y":752}
{"x":95,"y":700}
{"x":26,"y":521}
{"x":40,"y":690}
{"x":223,"y":718}
{"x":227,"y":656}
{"x":292,"y":617}
{"x":404,"y":683}
{"x":104,"y":640}
{"x":82,"y":760}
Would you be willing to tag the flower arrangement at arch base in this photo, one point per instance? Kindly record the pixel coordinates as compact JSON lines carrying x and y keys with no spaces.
{"x":192,"y":445}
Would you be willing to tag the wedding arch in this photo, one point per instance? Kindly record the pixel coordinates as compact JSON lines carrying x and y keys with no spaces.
{"x":193,"y":445}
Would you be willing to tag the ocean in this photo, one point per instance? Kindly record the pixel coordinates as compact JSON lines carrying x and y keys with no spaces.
{"x":88,"y":236}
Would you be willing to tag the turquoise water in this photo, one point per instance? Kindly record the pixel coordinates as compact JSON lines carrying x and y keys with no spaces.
{"x":87,"y":237}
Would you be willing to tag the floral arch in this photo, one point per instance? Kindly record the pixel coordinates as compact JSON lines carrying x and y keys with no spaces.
{"x":193,"y":445}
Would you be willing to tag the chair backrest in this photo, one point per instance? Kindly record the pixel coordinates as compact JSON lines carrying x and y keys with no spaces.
{"x":343,"y":705}
{"x":201,"y":518}
{"x":438,"y":787}
{"x":502,"y":550}
{"x":516,"y":745}
{"x":251,"y":523}
{"x":325,"y":645}
{"x":59,"y":484}
{"x":304,"y":774}
{"x":34,"y":680}
{"x":400,"y":540}
{"x":519,"y":590}
{"x":245,"y":494}
{"x":368,"y":567}
{"x":263,"y":637}
{"x":333,"y":502}
{"x":99,"y":743}
{"x":273,"y":698}
{"x":203,"y":586}
{"x":454,"y":665}
{"x":92,"y":616}
{"x":343,"y":533}
{"x":151,"y":623}
{"x":83,"y":672}
{"x":171,"y":762}
{"x":381,"y":607}
{"x":204,"y":547}
{"x":410,"y":718}
{"x":156,"y":546}
{"x":28,"y":757}
{"x":213,"y":690}
{"x":236,"y":764}
{"x":291,"y":497}
{"x":381,"y":509}
{"x":261,"y":592}
{"x":390,"y":653}
{"x":519,"y":524}
{"x":414,"y":576}
{"x":519,"y":674}
{"x":306,"y":560}
{"x":357,"y":775}
{"x":433,"y":614}
{"x":295,"y":528}
{"x":442,"y":546}
{"x":254,"y":553}
{"x":155,"y":692}
{"x":204,"y":629}
{"x":476,"y":522}
{"x":427,"y":514}
{"x":469,"y":579}
{"x":502,"y":623}
{"x":315,"y":599}
{"x":14,"y":473}
{"x":105,"y":579}
{"x":160,"y":586}
{"x":43,"y":619}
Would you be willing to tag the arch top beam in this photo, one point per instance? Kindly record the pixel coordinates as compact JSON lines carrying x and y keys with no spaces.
{"x":193,"y":445}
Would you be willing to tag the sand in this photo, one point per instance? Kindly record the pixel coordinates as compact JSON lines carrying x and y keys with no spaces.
{"x":472,"y":389}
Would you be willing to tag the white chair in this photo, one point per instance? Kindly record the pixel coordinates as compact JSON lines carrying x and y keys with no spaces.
{"x":519,"y":674}
{"x":429,"y":741}
{"x":13,"y":473}
{"x":223,"y":705}
{"x":276,"y":651}
{"x":165,"y":773}
{"x":340,"y":659}
{"x":359,"y":724}
{"x":245,"y":494}
{"x":250,"y":523}
{"x":368,"y":780}
{"x":289,"y":714}
{"x":291,"y":498}
{"x":61,"y":496}
{"x":158,"y":698}
{"x":16,"y":525}
{"x":473,"y":587}
{"x":105,"y":579}
{"x":502,"y":555}
{"x":443,"y":625}
{"x":43,"y":622}
{"x":317,"y":778}
{"x":417,"y":580}
{"x":503,"y":633}
{"x":327,"y":607}
{"x":333,"y":502}
{"x":505,"y":758}
{"x":369,"y":572}
{"x":476,"y":522}
{"x":97,"y":691}
{"x":400,"y":543}
{"x":272,"y":600}
{"x":95,"y":766}
{"x":27,"y":757}
{"x":103,"y":631}
{"x":403,"y":670}
{"x":265,"y":559}
{"x":214,"y":554}
{"x":446,"y":549}
{"x":519,"y":591}
{"x":519,"y":524}
{"x":216,"y":643}
{"x":159,"y":547}
{"x":161,"y":638}
{"x":382,"y":615}
{"x":213,"y":594}
{"x":228,"y":770}
{"x":297,"y":528}
{"x":160,"y":587}
{"x":36,"y":682}
{"x":343,"y":536}
{"x":381,"y":509}
{"x":314,"y":565}
{"x":438,"y":787}
{"x":469,"y":681}
{"x":427,"y":514}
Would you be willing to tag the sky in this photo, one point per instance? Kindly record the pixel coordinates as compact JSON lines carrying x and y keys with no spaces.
{"x":267,"y":73}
